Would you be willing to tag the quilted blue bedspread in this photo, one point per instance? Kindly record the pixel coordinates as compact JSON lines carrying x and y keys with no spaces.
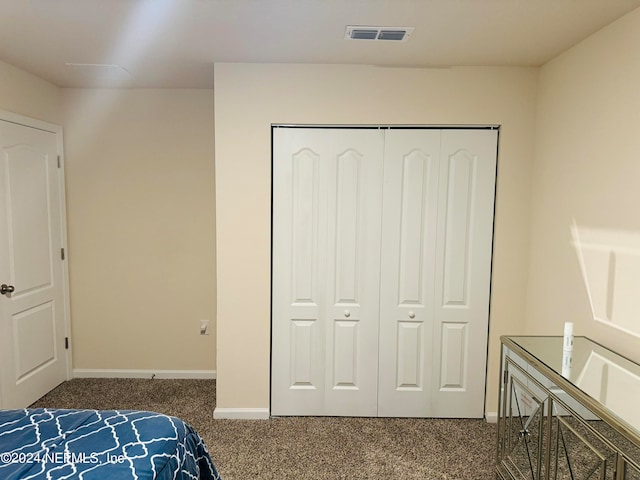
{"x":47,"y":444}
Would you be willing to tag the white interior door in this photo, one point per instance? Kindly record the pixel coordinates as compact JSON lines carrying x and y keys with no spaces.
{"x":463,"y":272}
{"x":326,"y":267}
{"x":33,"y":308}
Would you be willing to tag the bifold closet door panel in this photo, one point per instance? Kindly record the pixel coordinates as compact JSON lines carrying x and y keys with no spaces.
{"x":463,"y":272}
{"x":326,"y":269}
{"x":410,"y":209}
{"x":354,"y":204}
{"x":298,"y":246}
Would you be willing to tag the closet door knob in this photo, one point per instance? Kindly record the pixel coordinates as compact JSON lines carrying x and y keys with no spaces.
{"x":347,"y":313}
{"x":412,"y":315}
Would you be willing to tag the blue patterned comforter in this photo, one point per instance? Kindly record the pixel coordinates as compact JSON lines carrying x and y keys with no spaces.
{"x":47,"y":444}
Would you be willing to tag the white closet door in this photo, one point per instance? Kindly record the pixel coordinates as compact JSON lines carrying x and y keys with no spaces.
{"x":326,"y":268}
{"x":381,"y":282}
{"x":463,"y":272}
{"x":407,"y":272}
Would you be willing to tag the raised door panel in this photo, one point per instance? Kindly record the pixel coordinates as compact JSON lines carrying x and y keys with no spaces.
{"x":454,"y":356}
{"x":34,"y":346}
{"x":410,"y":356}
{"x":348,"y":215}
{"x":305,"y":186}
{"x":407,"y":272}
{"x":28,"y":201}
{"x":463,"y":270}
{"x":458,"y":210}
{"x":303,"y":341}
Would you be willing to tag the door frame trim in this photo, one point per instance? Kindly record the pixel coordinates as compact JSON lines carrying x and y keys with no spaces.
{"x":57,"y":130}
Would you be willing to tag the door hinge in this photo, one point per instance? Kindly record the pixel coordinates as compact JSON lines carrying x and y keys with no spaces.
{"x":66,"y":343}
{"x":58,"y":161}
{"x":505,"y":376}
{"x":62,"y":253}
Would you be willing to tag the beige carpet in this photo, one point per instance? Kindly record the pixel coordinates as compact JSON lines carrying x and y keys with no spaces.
{"x":300,"y":448}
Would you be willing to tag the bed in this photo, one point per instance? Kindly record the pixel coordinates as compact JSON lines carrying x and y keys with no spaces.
{"x":52,"y":444}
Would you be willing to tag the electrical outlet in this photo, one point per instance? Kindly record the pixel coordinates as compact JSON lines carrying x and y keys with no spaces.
{"x":204,"y":327}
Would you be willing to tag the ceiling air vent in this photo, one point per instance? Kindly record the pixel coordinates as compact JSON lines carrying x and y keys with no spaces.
{"x":393,"y":34}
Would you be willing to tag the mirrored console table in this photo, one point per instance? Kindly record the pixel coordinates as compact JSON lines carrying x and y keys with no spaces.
{"x":577,"y":422}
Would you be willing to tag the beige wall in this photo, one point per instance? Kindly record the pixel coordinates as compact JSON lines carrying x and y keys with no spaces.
{"x":26,"y":94}
{"x":140,"y":195}
{"x":141,"y":219}
{"x":586,"y":177}
{"x":248,"y":98}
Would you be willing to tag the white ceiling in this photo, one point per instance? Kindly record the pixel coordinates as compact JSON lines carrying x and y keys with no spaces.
{"x":173,"y":43}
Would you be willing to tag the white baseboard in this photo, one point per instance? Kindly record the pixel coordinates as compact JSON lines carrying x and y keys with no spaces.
{"x":241,"y":413}
{"x":105,"y":373}
{"x":491,"y":417}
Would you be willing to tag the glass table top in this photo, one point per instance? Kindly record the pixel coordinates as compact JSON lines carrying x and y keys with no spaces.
{"x":609,"y":378}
